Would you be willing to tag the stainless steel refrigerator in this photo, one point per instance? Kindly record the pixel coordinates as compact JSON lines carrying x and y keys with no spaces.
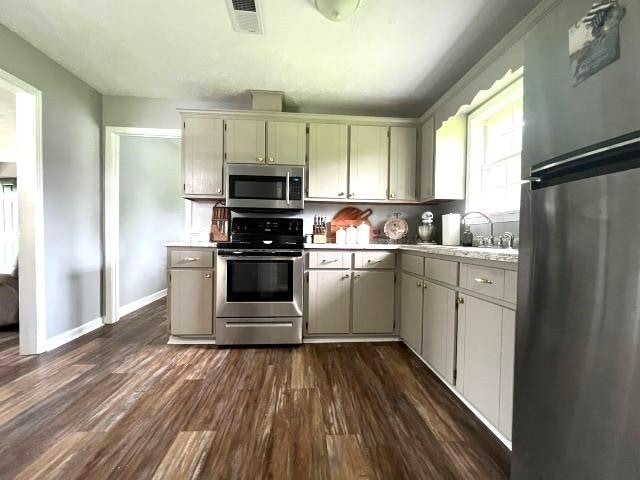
{"x":577,"y":372}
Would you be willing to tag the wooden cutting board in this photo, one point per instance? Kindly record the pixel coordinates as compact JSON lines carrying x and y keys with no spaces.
{"x":350,"y":216}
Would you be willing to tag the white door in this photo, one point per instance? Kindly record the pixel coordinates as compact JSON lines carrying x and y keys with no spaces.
{"x":245,"y":141}
{"x":373,"y":302}
{"x":191,"y":302}
{"x":202,"y":155}
{"x":479,"y":355}
{"x":506,"y":371}
{"x":368,"y":163}
{"x":402,"y":163}
{"x":286,"y":143}
{"x":329,"y":301}
{"x":439,"y":328}
{"x":327,"y":160}
{"x":411,"y":311}
{"x":427,"y":150}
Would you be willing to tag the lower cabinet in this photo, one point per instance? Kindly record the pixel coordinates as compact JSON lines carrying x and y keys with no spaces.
{"x":486,"y":339}
{"x":373,"y":310}
{"x":191,"y":302}
{"x":439,"y":329}
{"x":411,"y":311}
{"x":329,"y":301}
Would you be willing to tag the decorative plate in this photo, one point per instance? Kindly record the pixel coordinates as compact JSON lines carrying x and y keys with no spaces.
{"x":395,"y":228}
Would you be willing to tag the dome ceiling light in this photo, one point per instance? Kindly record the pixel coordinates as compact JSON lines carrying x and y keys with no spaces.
{"x":337,"y":10}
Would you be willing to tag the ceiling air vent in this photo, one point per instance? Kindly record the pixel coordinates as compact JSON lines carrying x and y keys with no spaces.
{"x":246,"y":16}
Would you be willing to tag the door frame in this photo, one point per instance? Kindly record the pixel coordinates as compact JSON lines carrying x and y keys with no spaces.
{"x":111,"y":221}
{"x":31,"y":279}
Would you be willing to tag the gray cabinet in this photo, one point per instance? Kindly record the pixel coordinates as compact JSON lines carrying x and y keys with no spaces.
{"x":191,"y":301}
{"x":451,"y":159}
{"x":368,"y":162}
{"x":202,"y":156}
{"x":373,"y":308}
{"x":245,"y":141}
{"x":439,"y":329}
{"x":402,"y":163}
{"x":286,"y":143}
{"x":328,"y":149}
{"x":411,"y":311}
{"x":329,"y":302}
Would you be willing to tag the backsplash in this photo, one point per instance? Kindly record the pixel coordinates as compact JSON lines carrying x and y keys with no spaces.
{"x":201,"y":217}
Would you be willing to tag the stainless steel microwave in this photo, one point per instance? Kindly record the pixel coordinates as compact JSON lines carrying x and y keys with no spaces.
{"x":264,"y":186}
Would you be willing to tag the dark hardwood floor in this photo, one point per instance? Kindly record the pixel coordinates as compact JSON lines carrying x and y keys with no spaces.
{"x":119,"y":403}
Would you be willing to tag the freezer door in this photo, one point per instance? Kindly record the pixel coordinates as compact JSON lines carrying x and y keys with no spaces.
{"x":577,"y":376}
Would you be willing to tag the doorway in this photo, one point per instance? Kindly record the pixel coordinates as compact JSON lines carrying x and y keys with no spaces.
{"x":22,"y":211}
{"x":117,"y":144}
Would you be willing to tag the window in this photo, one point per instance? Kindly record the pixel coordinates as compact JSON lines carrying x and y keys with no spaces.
{"x":495,"y":146}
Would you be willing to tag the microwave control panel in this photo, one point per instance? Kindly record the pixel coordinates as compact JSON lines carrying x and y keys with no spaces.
{"x":295,"y":188}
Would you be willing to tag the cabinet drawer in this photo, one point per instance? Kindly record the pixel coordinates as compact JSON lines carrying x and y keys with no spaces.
{"x":413,"y":264}
{"x":191,"y":259}
{"x":488,"y":281}
{"x":374,"y":260}
{"x":441,"y":270}
{"x":329,"y":260}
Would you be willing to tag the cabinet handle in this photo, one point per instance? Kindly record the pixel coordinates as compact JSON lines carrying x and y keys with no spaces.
{"x":260,"y":160}
{"x":191,"y":259}
{"x":341,"y":194}
{"x":393,"y":195}
{"x":351,"y":195}
{"x":424,"y":286}
{"x":373,"y":261}
{"x":418,"y":284}
{"x":330,"y":261}
{"x":460,"y":300}
{"x":483,"y":280}
{"x":346,"y":275}
{"x":208,"y":275}
{"x":219,"y":190}
{"x":271,"y":160}
{"x":357,"y":275}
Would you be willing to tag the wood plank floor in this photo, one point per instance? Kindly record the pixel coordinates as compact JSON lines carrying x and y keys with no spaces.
{"x":120,"y":403}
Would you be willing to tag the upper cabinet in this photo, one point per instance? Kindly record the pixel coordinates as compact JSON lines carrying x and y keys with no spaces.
{"x":202,"y":156}
{"x":286,"y":143}
{"x":328,"y":145}
{"x":450,"y":159}
{"x":427,"y":153}
{"x":245,"y":141}
{"x":402,"y":163}
{"x":369,"y":164}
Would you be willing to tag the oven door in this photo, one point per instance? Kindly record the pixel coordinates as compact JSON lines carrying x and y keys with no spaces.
{"x":264,"y":186}
{"x":259,"y":285}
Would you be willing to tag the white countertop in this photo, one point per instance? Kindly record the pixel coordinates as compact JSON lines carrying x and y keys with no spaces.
{"x":490,"y":254}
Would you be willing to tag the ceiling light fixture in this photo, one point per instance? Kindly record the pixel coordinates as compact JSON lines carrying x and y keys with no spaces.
{"x":337,"y":10}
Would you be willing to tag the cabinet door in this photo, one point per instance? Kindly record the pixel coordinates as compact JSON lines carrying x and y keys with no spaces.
{"x":402,"y":163}
{"x":202,"y":156}
{"x":368,"y":163}
{"x":373,"y":302}
{"x":427,"y":150}
{"x":327,"y":160}
{"x":450,"y":159}
{"x":245,"y":141}
{"x":191,"y":299}
{"x":329,"y":298}
{"x":411,"y":311}
{"x":439,"y":328}
{"x":506,"y":371}
{"x":286,"y":143}
{"x":479,"y":352}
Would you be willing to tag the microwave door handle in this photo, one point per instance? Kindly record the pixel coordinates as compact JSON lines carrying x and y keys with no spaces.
{"x":287,"y":189}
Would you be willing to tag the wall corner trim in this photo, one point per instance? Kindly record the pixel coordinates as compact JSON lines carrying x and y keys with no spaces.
{"x":141,"y":302}
{"x":66,"y":337}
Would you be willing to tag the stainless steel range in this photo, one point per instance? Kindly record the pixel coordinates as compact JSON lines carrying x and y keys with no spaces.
{"x":260,"y":277}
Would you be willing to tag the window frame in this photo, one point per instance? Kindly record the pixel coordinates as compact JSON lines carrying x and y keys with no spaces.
{"x":501,"y":99}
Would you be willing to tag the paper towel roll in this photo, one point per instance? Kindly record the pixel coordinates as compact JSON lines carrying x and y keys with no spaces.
{"x":451,"y":229}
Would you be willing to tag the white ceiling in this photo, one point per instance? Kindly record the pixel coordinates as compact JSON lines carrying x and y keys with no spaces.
{"x":391,"y":57}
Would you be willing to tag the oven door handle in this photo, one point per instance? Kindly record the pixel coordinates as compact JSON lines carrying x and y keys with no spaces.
{"x":287,"y":188}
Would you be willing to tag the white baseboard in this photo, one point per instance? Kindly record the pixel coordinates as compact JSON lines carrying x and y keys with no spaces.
{"x":175,"y":340}
{"x":349,"y":339}
{"x":141,"y":302}
{"x":507,"y":443}
{"x":66,"y":337}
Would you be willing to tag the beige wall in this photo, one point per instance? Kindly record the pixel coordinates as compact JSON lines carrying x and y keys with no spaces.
{"x":7,"y":126}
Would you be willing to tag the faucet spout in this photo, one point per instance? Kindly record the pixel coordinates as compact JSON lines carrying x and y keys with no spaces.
{"x":482,"y":215}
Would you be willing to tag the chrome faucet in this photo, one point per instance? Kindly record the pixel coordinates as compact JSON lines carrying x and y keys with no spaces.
{"x":491,"y":238}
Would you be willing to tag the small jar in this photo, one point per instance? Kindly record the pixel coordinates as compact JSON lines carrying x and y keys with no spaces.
{"x":363,"y":234}
{"x":341,"y":236}
{"x":352,"y":235}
